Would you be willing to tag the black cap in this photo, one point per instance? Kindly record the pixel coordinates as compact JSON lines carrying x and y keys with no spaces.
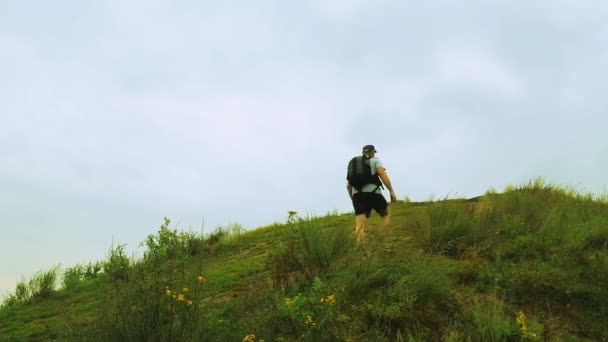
{"x":369,"y":148}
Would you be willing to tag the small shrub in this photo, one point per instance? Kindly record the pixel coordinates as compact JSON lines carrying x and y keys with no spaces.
{"x":390,"y":305}
{"x":310,"y":316}
{"x":73,"y":276}
{"x":40,"y":286}
{"x":410,"y":298}
{"x":235,"y":230}
{"x":489,"y":322}
{"x":92,"y":270}
{"x":153,"y":307}
{"x":210,"y":243}
{"x":309,"y":251}
{"x":447,"y":226}
{"x":21,"y":295}
{"x":166,"y":244}
{"x":43,"y":284}
{"x":216,"y":236}
{"x":23,"y":292}
{"x":116,"y":267}
{"x":155,"y":298}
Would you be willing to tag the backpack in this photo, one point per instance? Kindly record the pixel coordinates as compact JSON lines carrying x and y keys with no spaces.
{"x":360,"y":173}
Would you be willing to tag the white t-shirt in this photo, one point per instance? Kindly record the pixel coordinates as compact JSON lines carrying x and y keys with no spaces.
{"x":374,"y":163}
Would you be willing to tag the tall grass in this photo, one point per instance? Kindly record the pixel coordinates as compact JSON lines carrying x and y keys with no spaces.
{"x":541,"y":245}
{"x":548,"y":250}
{"x":412,"y":296}
{"x":75,"y":275}
{"x":158,"y":297}
{"x":308,"y":251}
{"x":40,"y":286}
{"x":489,"y":321}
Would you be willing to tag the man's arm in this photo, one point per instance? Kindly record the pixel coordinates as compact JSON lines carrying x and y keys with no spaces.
{"x":381,"y":171}
{"x":349,"y":188}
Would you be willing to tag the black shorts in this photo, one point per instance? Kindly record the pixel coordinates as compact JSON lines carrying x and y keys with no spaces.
{"x":364,"y":202}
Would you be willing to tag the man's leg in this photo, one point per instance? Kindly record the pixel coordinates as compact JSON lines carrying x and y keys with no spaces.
{"x":386,"y":219}
{"x":383,"y":209}
{"x":360,"y":225}
{"x":363,"y":207}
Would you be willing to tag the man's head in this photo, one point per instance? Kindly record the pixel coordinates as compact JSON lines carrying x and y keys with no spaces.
{"x":369,"y":150}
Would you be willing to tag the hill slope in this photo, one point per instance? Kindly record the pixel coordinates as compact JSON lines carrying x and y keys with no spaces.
{"x":528,"y":264}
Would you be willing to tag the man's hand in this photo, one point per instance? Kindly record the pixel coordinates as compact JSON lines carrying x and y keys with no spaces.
{"x":393,"y":197}
{"x":387,"y":182}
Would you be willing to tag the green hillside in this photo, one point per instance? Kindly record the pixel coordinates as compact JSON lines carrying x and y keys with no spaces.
{"x":527,"y":264}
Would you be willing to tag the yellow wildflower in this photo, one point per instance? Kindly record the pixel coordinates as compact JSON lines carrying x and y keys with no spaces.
{"x":181,"y":298}
{"x":309,"y":321}
{"x":185,"y":289}
{"x":189,"y":302}
{"x":521,"y":318}
{"x":249,"y":338}
{"x":201,"y":279}
{"x":331,"y":299}
{"x":288,"y":301}
{"x":168,"y":292}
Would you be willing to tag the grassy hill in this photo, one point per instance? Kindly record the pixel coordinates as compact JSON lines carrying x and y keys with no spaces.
{"x":528,"y":264}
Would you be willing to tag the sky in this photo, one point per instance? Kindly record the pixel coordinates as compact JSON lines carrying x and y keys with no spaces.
{"x":116,"y":114}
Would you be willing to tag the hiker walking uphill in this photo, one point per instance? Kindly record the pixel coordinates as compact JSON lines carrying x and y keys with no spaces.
{"x":365,"y":178}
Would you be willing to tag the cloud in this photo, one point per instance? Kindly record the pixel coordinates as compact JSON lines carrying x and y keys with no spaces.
{"x":460,"y":66}
{"x":116,"y":114}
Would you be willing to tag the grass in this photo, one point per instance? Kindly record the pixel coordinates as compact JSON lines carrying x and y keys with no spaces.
{"x":527,"y":264}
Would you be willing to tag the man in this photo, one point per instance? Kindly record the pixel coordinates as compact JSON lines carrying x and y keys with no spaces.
{"x":366,"y":191}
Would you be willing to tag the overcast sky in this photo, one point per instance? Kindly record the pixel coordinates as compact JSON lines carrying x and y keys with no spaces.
{"x":115,"y":114}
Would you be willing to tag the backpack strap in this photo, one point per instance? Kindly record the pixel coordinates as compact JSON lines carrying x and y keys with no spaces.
{"x":378,"y":187}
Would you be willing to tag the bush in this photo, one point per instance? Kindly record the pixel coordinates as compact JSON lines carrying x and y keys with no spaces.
{"x":210,"y":243}
{"x":153,"y":307}
{"x":235,"y":230}
{"x":117,"y":266}
{"x":449,"y":229}
{"x":309,"y":251}
{"x":40,"y":286}
{"x":73,"y":276}
{"x":309,"y":316}
{"x":489,"y":322}
{"x":412,"y":297}
{"x":166,"y":244}
{"x":155,"y":298}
